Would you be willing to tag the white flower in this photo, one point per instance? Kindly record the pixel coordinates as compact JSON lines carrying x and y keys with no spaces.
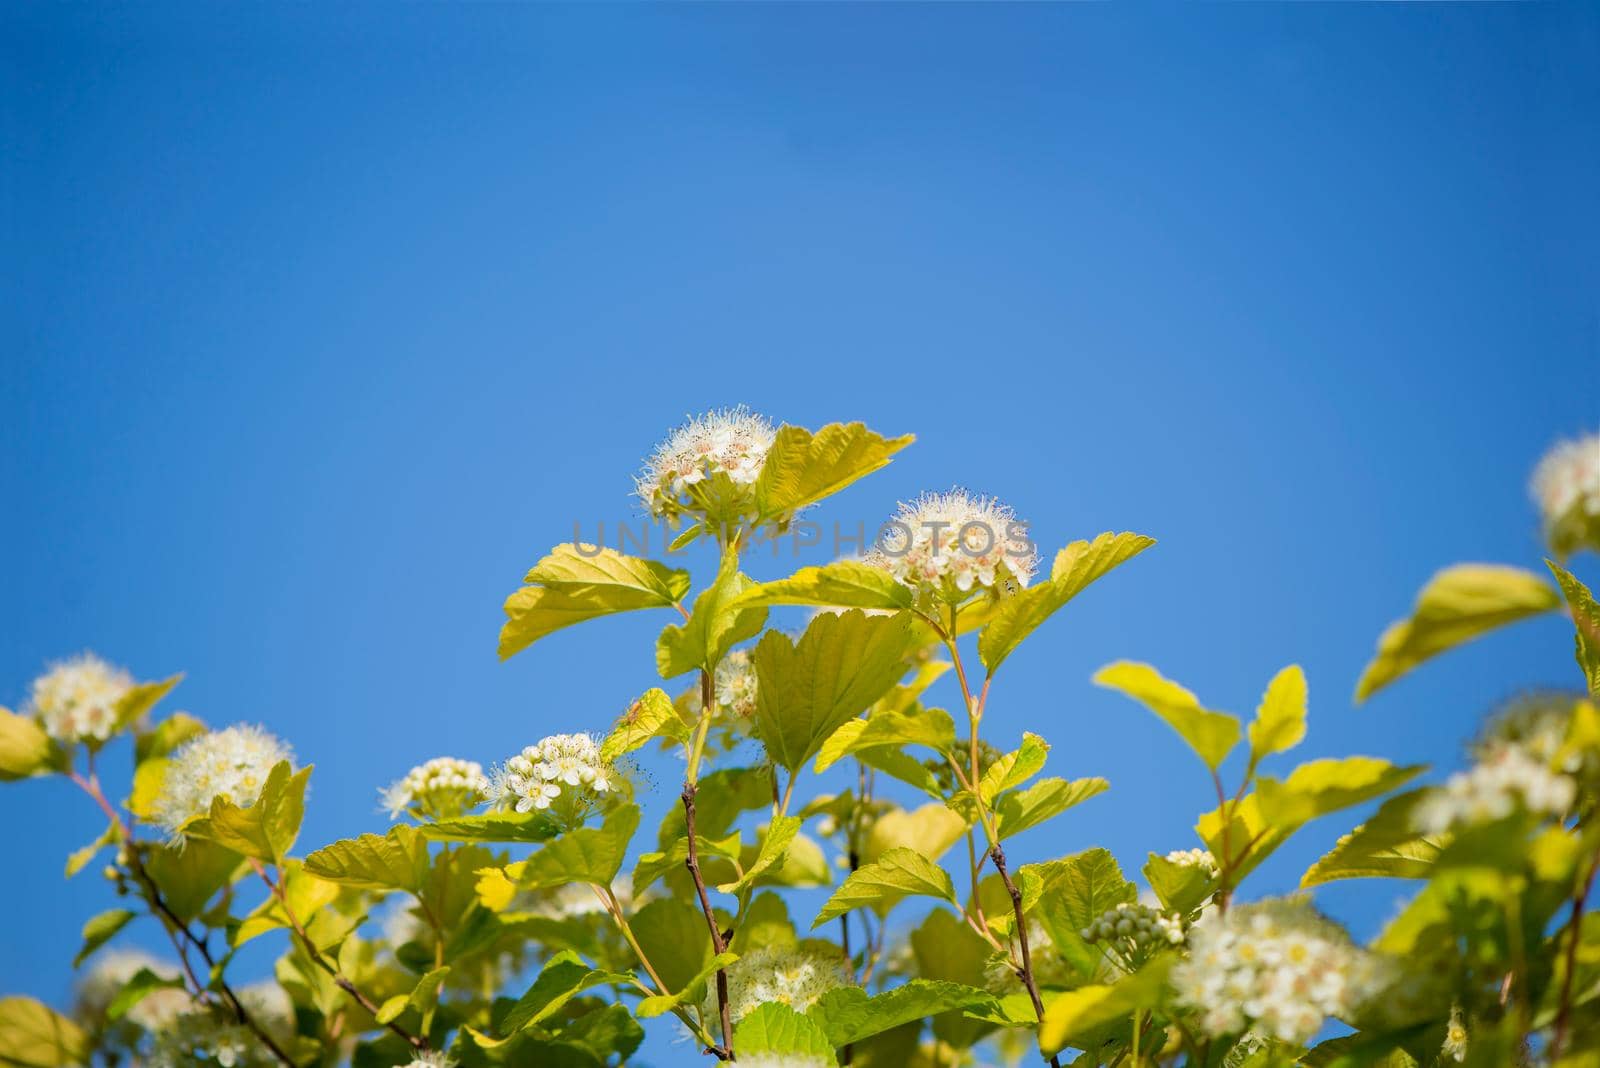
{"x":783,"y":1060}
{"x":431,"y":1059}
{"x":1275,"y":966}
{"x":729,"y":444}
{"x":541,"y":773}
{"x":790,"y":975}
{"x":76,"y":700}
{"x":443,"y":788}
{"x":1505,"y":778}
{"x":734,"y":686}
{"x":1455,"y":1037}
{"x":1194,"y":858}
{"x":956,"y":542}
{"x":1568,"y":477}
{"x":231,"y":763}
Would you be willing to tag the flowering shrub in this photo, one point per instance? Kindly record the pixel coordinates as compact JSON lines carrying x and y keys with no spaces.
{"x":520,"y":917}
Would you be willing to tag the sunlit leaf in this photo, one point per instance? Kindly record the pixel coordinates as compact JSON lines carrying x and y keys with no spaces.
{"x":1210,"y":734}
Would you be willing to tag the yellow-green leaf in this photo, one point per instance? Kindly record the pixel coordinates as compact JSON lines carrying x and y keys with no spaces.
{"x":265,"y":830}
{"x":139,"y":699}
{"x":24,"y":747}
{"x":1458,"y":604}
{"x":842,"y":584}
{"x":100,"y":930}
{"x":577,"y":583}
{"x":1586,"y":621}
{"x":931,"y":830}
{"x":898,"y":874}
{"x":717,"y":624}
{"x":1045,"y":799}
{"x":807,"y":690}
{"x":33,"y":1036}
{"x":1387,"y":846}
{"x":1319,"y":787}
{"x":587,"y":855}
{"x":801,"y":468}
{"x":930,"y":727}
{"x":1080,"y":1012}
{"x":1280,"y":721}
{"x":651,"y":716}
{"x":1014,"y":768}
{"x":774,"y":847}
{"x":397,"y":860}
{"x":1210,"y":734}
{"x":1076,"y":566}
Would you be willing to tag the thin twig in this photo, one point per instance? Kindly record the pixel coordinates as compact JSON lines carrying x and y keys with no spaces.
{"x":718,"y":943}
{"x":1574,"y":930}
{"x":1025,"y":973}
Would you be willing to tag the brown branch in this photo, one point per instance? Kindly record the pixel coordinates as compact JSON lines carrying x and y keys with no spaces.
{"x":340,"y":980}
{"x":1574,"y":925}
{"x":1025,"y":973}
{"x":174,"y":925}
{"x":719,"y":944}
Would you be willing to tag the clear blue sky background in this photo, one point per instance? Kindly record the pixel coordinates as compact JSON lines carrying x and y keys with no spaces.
{"x":321,"y":325}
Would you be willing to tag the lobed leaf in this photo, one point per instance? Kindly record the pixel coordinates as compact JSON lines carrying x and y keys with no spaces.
{"x":1210,"y":734}
{"x":898,"y":874}
{"x":801,"y":468}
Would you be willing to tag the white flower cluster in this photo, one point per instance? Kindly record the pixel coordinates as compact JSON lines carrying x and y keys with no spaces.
{"x":207,"y":1035}
{"x":1506,"y":777}
{"x":731,"y":442}
{"x":431,"y":1059}
{"x":534,"y":777}
{"x":1194,"y":858}
{"x":735,"y":686}
{"x":955,"y":541}
{"x":1275,"y":967}
{"x":76,"y":700}
{"x":790,"y":975}
{"x":443,"y":788}
{"x":1135,"y":930}
{"x":232,"y":763}
{"x":784,"y":1060}
{"x":1566,"y":484}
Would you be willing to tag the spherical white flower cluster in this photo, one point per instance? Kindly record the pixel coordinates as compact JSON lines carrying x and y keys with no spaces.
{"x":431,"y":1059}
{"x":207,"y":1035}
{"x":1505,"y":778}
{"x":232,"y":763}
{"x":1566,"y":487}
{"x":534,"y":778}
{"x":1276,"y":967}
{"x":443,"y":788}
{"x":955,"y":542}
{"x":1193,"y":858}
{"x":790,"y":975}
{"x":1135,"y":931}
{"x":76,"y":700}
{"x":731,"y":443}
{"x":784,"y":1060}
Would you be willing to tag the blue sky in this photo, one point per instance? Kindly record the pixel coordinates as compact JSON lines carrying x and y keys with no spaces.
{"x":325,"y":324}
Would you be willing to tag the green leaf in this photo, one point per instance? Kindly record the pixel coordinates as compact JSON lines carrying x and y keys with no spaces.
{"x":774,"y":847}
{"x":190,"y":875}
{"x":587,"y":855}
{"x":1082,"y":1011}
{"x":166,"y":736}
{"x":1014,"y":768}
{"x":570,"y":586}
{"x":1179,"y":887}
{"x":33,"y":1036}
{"x":801,"y":468}
{"x":947,"y":949}
{"x":847,"y":1014}
{"x":930,"y":727}
{"x":423,"y":997}
{"x":651,"y":716}
{"x":492,"y":827}
{"x":1280,"y":721}
{"x":267,"y":829}
{"x":1044,"y":800}
{"x":1387,"y":846}
{"x":24,"y":747}
{"x":1210,"y":734}
{"x":1586,"y":620}
{"x":898,"y":874}
{"x":659,"y":1004}
{"x":100,"y":930}
{"x":1458,"y":604}
{"x":652,"y":866}
{"x":394,"y":861}
{"x":1081,"y":887}
{"x":717,"y":624}
{"x":80,"y":858}
{"x":842,"y":584}
{"x":1076,"y":566}
{"x":137,"y":701}
{"x":806,"y":691}
{"x":563,"y":977}
{"x":1319,"y":787}
{"x":143,"y":983}
{"x":776,"y":1028}
{"x":673,"y":935}
{"x":931,"y":830}
{"x":309,"y":896}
